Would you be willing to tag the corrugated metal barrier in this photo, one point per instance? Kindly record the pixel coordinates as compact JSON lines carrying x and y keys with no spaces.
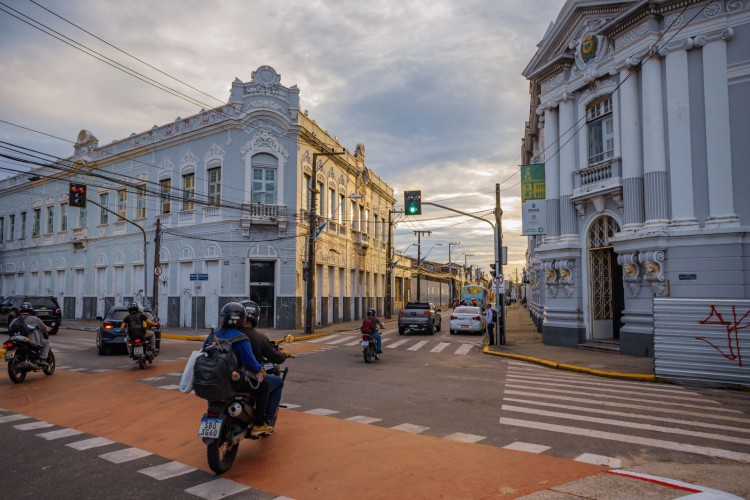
{"x":702,"y":340}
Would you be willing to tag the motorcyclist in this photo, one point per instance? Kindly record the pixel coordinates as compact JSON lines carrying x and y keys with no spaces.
{"x":266,"y":351}
{"x":232,"y":318}
{"x":136,"y":325}
{"x":34,"y":329}
{"x":373,"y":314}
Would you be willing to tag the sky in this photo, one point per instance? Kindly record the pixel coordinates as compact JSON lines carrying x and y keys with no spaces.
{"x":432,"y":88}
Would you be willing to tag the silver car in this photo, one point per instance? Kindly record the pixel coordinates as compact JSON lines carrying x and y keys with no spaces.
{"x":468,"y":319}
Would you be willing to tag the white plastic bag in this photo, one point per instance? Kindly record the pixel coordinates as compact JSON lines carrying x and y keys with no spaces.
{"x":186,"y":382}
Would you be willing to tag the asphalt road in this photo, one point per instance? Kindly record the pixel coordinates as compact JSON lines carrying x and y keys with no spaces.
{"x":436,"y":413}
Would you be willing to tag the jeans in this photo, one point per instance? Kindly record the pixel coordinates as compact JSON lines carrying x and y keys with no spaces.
{"x":491,"y":333}
{"x":378,"y":340}
{"x":275,"y":387}
{"x":149,"y":336}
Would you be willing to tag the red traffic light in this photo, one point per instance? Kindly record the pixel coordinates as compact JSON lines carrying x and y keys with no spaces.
{"x":77,"y":195}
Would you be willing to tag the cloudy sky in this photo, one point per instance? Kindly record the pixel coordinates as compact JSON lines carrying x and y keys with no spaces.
{"x":432,"y":88}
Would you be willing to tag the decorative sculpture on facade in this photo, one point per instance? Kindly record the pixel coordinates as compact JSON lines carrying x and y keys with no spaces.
{"x":653,"y":262}
{"x":551,"y":277}
{"x":566,"y":276}
{"x":631,"y":272}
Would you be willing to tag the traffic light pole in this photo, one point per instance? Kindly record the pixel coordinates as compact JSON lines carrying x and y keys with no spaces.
{"x":145,"y":243}
{"x":501,"y":335}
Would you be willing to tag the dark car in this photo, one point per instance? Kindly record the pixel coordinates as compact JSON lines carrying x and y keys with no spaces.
{"x":419,"y":316}
{"x":109,"y":334}
{"x":45,"y":307}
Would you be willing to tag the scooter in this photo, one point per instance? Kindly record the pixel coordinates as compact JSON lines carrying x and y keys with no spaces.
{"x":369,"y":348}
{"x":22,"y":356}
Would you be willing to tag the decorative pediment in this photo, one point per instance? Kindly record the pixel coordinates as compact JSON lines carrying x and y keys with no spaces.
{"x":214,"y":155}
{"x":188,"y":161}
{"x":264,"y":142}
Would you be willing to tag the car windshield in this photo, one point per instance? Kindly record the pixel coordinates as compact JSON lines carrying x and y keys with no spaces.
{"x":117,"y":315}
{"x":39,"y":302}
{"x":467,"y":310}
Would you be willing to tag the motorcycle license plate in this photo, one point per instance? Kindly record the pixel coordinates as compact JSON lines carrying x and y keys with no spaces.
{"x":9,"y":354}
{"x":209,"y":427}
{"x":138,"y":351}
{"x":365,"y":343}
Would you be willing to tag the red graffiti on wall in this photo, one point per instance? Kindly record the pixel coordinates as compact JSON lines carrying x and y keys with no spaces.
{"x":733,"y":328}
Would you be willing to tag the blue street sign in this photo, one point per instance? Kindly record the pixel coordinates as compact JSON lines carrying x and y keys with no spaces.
{"x":193,"y":277}
{"x":203,"y":277}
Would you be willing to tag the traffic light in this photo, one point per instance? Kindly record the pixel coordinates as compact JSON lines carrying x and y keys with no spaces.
{"x":413,"y":202}
{"x":77,"y":195}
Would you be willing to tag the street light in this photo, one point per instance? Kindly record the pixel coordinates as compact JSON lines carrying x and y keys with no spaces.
{"x":466,"y":255}
{"x":428,"y":252}
{"x":450,"y":268}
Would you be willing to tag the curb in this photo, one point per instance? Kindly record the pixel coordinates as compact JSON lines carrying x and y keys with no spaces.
{"x":641,"y":377}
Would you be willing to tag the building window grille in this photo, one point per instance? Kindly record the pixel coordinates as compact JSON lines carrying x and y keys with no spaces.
{"x":36,"y":227}
{"x":103,"y":214}
{"x":140,"y":202}
{"x":188,"y":192}
{"x":166,"y":195}
{"x":600,"y":126}
{"x":63,"y":216}
{"x":122,"y":203}
{"x":214,"y":186}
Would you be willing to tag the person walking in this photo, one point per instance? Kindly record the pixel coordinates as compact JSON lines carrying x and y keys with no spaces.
{"x":491,"y":319}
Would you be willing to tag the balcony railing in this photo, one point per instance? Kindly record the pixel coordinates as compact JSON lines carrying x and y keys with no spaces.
{"x":260,"y":213}
{"x":211,"y":212}
{"x":186,"y":217}
{"x":598,"y":178}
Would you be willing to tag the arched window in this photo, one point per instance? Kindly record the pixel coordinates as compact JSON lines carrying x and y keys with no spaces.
{"x":264,"y":176}
{"x":601,"y":134}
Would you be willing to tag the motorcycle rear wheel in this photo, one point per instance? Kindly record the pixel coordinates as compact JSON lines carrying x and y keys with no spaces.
{"x":141,"y":362}
{"x":50,"y":369}
{"x":221,"y":452}
{"x":16,"y":376}
{"x":366,"y":354}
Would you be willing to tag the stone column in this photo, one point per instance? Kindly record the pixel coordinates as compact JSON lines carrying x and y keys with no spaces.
{"x":654,"y":150}
{"x":632,"y":149}
{"x":718,"y":143}
{"x":680,"y":153}
{"x":552,"y":171}
{"x":567,"y":166}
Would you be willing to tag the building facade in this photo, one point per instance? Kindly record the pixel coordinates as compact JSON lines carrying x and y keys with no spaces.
{"x":639,"y":117}
{"x":202,"y":211}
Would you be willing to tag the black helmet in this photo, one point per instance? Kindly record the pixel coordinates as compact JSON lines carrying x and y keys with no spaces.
{"x":372,"y":312}
{"x":133,"y":308}
{"x":252,"y":314}
{"x":233,"y":315}
{"x":27,"y":308}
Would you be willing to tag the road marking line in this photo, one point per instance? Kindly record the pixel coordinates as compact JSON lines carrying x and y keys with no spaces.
{"x":218,"y":488}
{"x":322,"y":339}
{"x":12,"y":418}
{"x":363,"y":420}
{"x":290,"y":406}
{"x":101,"y":370}
{"x":624,"y":438}
{"x":168,"y":387}
{"x":634,"y":415}
{"x":703,"y":493}
{"x":338,"y":341}
{"x":321,"y":411}
{"x":590,"y":458}
{"x":176,"y":374}
{"x":87,"y":444}
{"x":396,"y":344}
{"x":609,"y":390}
{"x":412,"y":428}
{"x":63,"y":367}
{"x":464,"y":349}
{"x":588,"y":381}
{"x":61,"y":433}
{"x":622,"y":398}
{"x":464,"y":438}
{"x":168,"y":470}
{"x":354,"y":343}
{"x":153,"y":379}
{"x":417,"y":346}
{"x":33,"y":425}
{"x":440,"y":347}
{"x":528,"y":447}
{"x":126,"y":455}
{"x":626,"y":405}
{"x":76,"y":369}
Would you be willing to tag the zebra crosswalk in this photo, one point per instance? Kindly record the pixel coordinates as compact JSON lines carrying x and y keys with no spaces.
{"x":661,"y":418}
{"x":460,"y":348}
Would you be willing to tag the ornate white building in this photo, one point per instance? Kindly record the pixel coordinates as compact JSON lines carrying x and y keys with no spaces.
{"x":229,"y":187}
{"x":639,"y":114}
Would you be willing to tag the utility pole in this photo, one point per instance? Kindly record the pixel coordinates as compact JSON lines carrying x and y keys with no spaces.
{"x":419,"y":261}
{"x":450,"y":268}
{"x":313,"y":226}
{"x":465,"y":269}
{"x":389,"y":266}
{"x":500,"y":298}
{"x":157,"y":263}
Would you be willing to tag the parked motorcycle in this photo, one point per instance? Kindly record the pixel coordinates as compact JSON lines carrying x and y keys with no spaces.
{"x":142,"y":352}
{"x":228,"y":422}
{"x":22,"y":356}
{"x":369,"y":348}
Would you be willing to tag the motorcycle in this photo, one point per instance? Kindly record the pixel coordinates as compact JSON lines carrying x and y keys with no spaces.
{"x":22,"y":356}
{"x":369,"y":348}
{"x":142,"y":352}
{"x":228,"y":422}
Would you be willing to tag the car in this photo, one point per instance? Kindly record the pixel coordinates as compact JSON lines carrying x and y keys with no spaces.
{"x":109,"y":335}
{"x":468,"y":319}
{"x":419,"y":316}
{"x":45,"y":307}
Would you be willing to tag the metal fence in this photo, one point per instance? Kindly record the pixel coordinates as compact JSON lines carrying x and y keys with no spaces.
{"x":702,"y":340}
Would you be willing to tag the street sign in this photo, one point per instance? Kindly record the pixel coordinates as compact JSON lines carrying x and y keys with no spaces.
{"x":203,"y":277}
{"x":193,"y":277}
{"x":157,"y":271}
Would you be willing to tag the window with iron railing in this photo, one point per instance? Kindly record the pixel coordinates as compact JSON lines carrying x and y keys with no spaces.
{"x":600,"y":127}
{"x":214,"y":186}
{"x":166,"y":195}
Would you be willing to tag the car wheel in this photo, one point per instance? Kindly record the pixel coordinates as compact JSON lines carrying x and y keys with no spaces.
{"x":453,"y":332}
{"x":439,"y":327}
{"x":401,"y":330}
{"x":431,"y":330}
{"x":53,"y":331}
{"x":100,"y":347}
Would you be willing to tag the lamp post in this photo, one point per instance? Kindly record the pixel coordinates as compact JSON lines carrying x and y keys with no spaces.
{"x":466,"y":255}
{"x":450,"y":268}
{"x":310,"y":289}
{"x":428,"y":252}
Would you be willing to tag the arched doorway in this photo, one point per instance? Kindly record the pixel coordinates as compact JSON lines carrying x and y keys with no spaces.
{"x":607,"y":297}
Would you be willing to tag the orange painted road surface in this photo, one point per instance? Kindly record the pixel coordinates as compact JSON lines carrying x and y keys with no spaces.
{"x":309,"y":456}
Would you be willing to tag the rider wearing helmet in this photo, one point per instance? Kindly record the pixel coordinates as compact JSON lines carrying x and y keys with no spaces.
{"x":373,"y":314}
{"x":265,"y":351}
{"x":136,"y":325}
{"x":32,"y":327}
{"x":232,"y":318}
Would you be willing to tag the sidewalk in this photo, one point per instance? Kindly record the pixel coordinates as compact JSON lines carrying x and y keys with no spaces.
{"x":523,"y":343}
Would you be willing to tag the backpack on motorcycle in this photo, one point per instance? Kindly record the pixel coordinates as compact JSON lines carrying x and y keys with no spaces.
{"x":368,"y":326}
{"x":135,"y":325}
{"x":212,"y":373}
